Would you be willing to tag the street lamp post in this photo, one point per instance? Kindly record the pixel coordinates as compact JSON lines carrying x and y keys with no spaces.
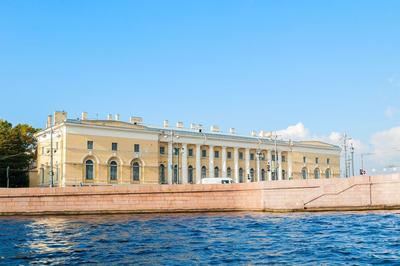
{"x":51,"y":157}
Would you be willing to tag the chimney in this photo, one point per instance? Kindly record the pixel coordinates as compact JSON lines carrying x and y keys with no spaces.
{"x":166,"y":124}
{"x":59,"y":117}
{"x":193,"y":126}
{"x":117,"y":117}
{"x":179,"y":124}
{"x":253,"y":133}
{"x":261,"y":134}
{"x":214,"y":128}
{"x":232,"y":130}
{"x":49,"y":122}
{"x":136,"y":120}
{"x":84,"y":116}
{"x":109,"y":117}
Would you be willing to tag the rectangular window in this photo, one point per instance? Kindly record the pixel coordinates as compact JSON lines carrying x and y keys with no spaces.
{"x":240,"y":155}
{"x":316,"y":160}
{"x":273,"y":157}
{"x":176,"y":151}
{"x":90,"y":145}
{"x":203,"y":153}
{"x":136,"y":148}
{"x":216,"y":154}
{"x":190,"y":152}
{"x":229,"y":155}
{"x":252,"y":156}
{"x":162,"y":150}
{"x":283,"y":158}
{"x":328,"y":161}
{"x":114,"y":146}
{"x":304,"y":159}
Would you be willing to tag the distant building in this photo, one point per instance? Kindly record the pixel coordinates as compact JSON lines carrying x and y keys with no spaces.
{"x":104,"y":152}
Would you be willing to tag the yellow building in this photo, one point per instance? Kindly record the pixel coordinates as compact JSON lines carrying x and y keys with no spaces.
{"x":103,"y":152}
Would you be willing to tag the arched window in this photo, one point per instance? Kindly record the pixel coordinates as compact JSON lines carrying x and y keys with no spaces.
{"x":136,"y":171}
{"x":229,"y":172}
{"x":316,"y":173}
{"x":283,"y":174}
{"x":304,"y":173}
{"x":262,"y":175}
{"x":162,"y":174}
{"x":216,"y":171}
{"x":113,"y":170}
{"x":175,"y":181}
{"x":89,"y":174}
{"x":328,"y":173}
{"x":240,"y":175}
{"x":252,"y":175}
{"x":203,"y":172}
{"x":190,"y":174}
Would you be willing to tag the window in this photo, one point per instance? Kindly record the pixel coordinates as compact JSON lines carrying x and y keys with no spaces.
{"x":252,"y":175}
{"x":283,"y":175}
{"x":216,"y":154}
{"x":229,"y":155}
{"x":190,"y":152}
{"x":136,"y":171}
{"x":89,"y":170}
{"x":283,"y":158}
{"x":90,"y":145}
{"x":262,"y":175}
{"x":162,"y":150}
{"x":316,"y":160}
{"x":203,"y":153}
{"x":114,"y":146}
{"x":252,"y":156}
{"x":229,"y":172}
{"x":328,"y":161}
{"x":273,"y":157}
{"x":176,"y":151}
{"x":203,"y":172}
{"x":316,"y":173}
{"x":216,"y":171}
{"x":136,"y":148}
{"x":304,"y":159}
{"x":190,"y":175}
{"x":162,"y":174}
{"x":113,"y":170}
{"x":328,"y":173}
{"x":240,"y":155}
{"x":175,"y":177}
{"x":240,"y":175}
{"x":304,"y":173}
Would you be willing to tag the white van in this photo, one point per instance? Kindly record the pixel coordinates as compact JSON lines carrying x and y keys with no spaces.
{"x":216,"y":180}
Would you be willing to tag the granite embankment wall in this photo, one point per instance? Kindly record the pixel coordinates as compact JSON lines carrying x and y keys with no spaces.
{"x":357,"y":193}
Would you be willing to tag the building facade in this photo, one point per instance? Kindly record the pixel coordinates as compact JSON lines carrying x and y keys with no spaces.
{"x":106,"y":152}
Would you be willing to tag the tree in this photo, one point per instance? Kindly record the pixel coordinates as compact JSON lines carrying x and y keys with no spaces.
{"x":17,"y":151}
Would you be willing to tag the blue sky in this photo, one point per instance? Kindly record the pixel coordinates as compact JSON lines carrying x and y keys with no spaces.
{"x":253,"y":65}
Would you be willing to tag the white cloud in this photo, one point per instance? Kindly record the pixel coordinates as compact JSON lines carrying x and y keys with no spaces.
{"x":386,"y":140}
{"x":294,"y":132}
{"x":381,"y":152}
{"x":390,"y":111}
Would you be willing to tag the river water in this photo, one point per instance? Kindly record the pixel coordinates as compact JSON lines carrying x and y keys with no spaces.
{"x":206,"y":238}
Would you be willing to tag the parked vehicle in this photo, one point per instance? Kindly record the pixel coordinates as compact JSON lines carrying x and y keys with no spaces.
{"x":216,"y":180}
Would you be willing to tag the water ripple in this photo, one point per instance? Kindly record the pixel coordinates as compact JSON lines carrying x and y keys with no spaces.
{"x":192,"y":239}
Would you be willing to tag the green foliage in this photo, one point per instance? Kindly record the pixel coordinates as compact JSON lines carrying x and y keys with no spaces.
{"x":17,"y":151}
